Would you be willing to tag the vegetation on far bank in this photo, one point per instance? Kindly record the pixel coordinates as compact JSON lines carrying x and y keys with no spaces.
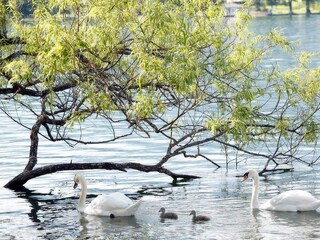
{"x":276,"y":7}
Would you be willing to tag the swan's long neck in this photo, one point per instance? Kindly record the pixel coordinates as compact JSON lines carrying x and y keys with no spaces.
{"x":162,"y":214}
{"x":83,"y":194}
{"x":255,"y":192}
{"x":193,"y":216}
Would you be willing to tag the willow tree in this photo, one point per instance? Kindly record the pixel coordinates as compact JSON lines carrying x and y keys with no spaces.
{"x":179,"y":69}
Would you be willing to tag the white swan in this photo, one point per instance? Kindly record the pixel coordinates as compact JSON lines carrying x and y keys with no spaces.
{"x":113,"y":205}
{"x":293,"y":200}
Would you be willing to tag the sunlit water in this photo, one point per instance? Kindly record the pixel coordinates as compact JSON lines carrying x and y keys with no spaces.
{"x":46,"y":209}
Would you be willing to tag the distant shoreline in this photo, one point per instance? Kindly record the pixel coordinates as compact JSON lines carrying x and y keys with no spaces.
{"x":268,"y":14}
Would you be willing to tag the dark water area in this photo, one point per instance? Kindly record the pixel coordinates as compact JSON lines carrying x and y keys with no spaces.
{"x":46,"y":207}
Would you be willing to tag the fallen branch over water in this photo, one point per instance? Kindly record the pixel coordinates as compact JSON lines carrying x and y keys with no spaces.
{"x":275,"y":171}
{"x":26,"y":175}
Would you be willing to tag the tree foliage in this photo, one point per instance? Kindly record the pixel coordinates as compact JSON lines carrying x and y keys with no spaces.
{"x":175,"y":68}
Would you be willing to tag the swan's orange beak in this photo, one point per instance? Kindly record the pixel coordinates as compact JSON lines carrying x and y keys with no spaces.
{"x":75,"y":185}
{"x":245,"y":177}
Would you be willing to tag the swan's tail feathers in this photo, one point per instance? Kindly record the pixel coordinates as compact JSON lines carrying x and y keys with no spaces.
{"x":126,"y":212}
{"x":318,"y":206}
{"x":131,"y":210}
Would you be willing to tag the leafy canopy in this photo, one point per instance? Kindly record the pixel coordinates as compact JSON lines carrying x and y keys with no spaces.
{"x":144,"y":59}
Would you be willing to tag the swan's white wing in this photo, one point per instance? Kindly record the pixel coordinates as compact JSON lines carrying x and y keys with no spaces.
{"x":116,"y":203}
{"x":294,"y":200}
{"x":130,"y":211}
{"x":111,"y":201}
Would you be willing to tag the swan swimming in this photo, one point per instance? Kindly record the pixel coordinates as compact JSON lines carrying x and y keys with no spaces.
{"x":292,"y":201}
{"x":114,"y":205}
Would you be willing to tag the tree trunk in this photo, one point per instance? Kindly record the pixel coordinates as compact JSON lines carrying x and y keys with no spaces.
{"x":258,"y":5}
{"x":290,"y":8}
{"x":33,"y":154}
{"x":25,"y":176}
{"x":308,"y":11}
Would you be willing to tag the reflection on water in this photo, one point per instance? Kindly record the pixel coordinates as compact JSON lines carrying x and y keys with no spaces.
{"x":25,"y":193}
{"x":100,"y":227}
{"x":46,"y":208}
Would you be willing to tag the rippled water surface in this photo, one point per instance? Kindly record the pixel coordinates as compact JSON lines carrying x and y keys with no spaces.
{"x":46,"y":208}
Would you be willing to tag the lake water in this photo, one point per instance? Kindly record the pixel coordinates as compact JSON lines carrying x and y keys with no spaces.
{"x":46,"y":209}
